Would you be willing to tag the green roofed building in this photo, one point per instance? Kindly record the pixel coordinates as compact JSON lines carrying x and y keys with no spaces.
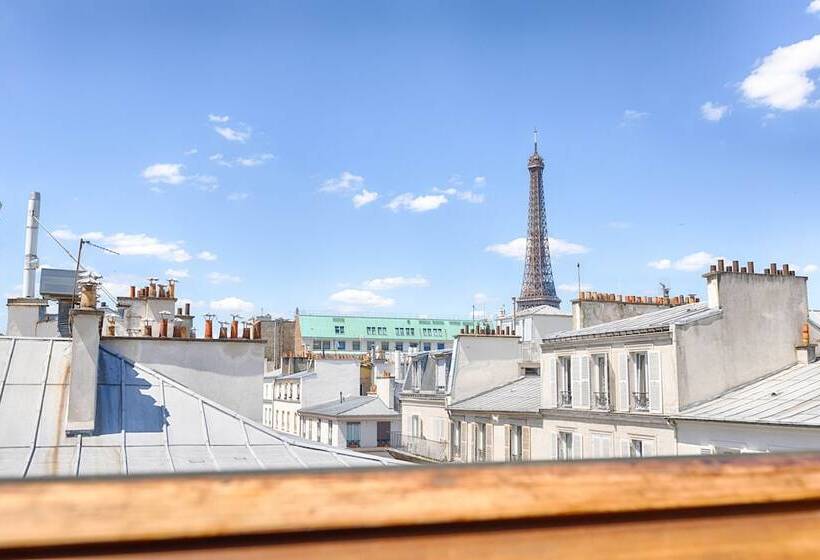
{"x":346,"y":333}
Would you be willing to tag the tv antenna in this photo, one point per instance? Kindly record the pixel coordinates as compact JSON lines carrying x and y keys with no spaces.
{"x":664,"y":289}
{"x":79,"y":258}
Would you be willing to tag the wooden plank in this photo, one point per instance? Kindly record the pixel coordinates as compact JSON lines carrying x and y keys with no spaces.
{"x":52,"y":513}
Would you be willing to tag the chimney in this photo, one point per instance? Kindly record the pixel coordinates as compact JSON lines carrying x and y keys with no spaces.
{"x":30,"y":261}
{"x":147,"y":329}
{"x":133,"y":292}
{"x":85,"y":350}
{"x":172,"y":283}
{"x":187,"y":308}
{"x":209,"y":326}
{"x":806,"y":352}
{"x":385,"y":389}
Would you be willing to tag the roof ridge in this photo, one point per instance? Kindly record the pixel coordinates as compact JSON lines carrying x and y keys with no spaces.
{"x":490,"y":390}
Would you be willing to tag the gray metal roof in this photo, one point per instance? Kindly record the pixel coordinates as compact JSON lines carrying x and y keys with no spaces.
{"x":652,"y":321}
{"x":543,"y":310}
{"x":146,"y":423}
{"x":521,"y":395}
{"x":421,"y":375}
{"x":367,"y":405}
{"x":788,"y":397}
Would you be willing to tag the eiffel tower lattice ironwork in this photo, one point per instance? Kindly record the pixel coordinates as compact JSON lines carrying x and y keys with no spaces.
{"x":538,"y":287}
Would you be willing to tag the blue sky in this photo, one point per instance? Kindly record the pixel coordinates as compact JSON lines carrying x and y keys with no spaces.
{"x":372,"y":155}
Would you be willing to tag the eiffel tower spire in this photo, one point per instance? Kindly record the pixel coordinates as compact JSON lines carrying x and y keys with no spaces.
{"x":538,"y":287}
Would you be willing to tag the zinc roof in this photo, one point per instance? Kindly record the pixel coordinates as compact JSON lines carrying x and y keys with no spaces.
{"x":652,"y":321}
{"x":146,"y":423}
{"x":787,"y":397}
{"x":521,"y":395}
{"x":367,"y":405}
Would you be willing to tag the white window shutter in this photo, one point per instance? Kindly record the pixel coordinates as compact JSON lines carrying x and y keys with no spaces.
{"x":623,"y":384}
{"x":625,"y":447}
{"x":577,"y":446}
{"x":551,"y":381}
{"x":464,"y":449}
{"x":506,"y":442}
{"x":649,"y":449}
{"x":553,"y":438}
{"x":606,"y":446}
{"x":655,"y":388}
{"x":584,"y":393}
{"x":488,"y":441}
{"x":596,"y":446}
{"x":576,"y":382}
{"x":526,"y":449}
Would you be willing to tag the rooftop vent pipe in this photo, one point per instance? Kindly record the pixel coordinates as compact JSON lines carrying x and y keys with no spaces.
{"x":30,"y":261}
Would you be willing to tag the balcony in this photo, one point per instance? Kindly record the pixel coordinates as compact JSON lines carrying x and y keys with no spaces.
{"x":601,"y":401}
{"x":419,"y":446}
{"x":564,"y":399}
{"x":640,"y":401}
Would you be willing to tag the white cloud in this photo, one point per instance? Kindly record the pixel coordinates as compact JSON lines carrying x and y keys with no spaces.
{"x":814,"y":7}
{"x":222,"y":278}
{"x":131,"y":244}
{"x":690,"y":263}
{"x":480,"y":181}
{"x":660,"y":264}
{"x":393,"y":282}
{"x":232,"y":305}
{"x":345,"y":182}
{"x":809,"y":268}
{"x":253,"y":160}
{"x":219,"y":159}
{"x":353,"y":298}
{"x":191,"y":152}
{"x":364,"y":197}
{"x":218,"y":118}
{"x":713,"y":112}
{"x":237,"y":196}
{"x":573,"y":288}
{"x":517,"y":248}
{"x":168,"y":173}
{"x":206,"y":256}
{"x":207,"y":183}
{"x":177,"y":273}
{"x":421,"y":203}
{"x":233,"y":134}
{"x":782,"y":80}
{"x":631,"y":116}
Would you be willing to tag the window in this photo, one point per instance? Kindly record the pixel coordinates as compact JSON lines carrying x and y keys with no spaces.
{"x":317,"y":344}
{"x":353,"y":434}
{"x":564,"y":446}
{"x":414,"y":346}
{"x":455,"y":440}
{"x":325,"y":345}
{"x":411,"y":331}
{"x":416,"y":429}
{"x":382,"y":434}
{"x":399,"y":346}
{"x":440,"y":346}
{"x":371,"y":345}
{"x":296,"y":387}
{"x":385,"y":346}
{"x":480,"y":451}
{"x":340,"y":345}
{"x":516,"y":440}
{"x":357,"y":346}
{"x":640,"y":397}
{"x":287,"y":422}
{"x":339,"y":329}
{"x":382,"y":330}
{"x":426,"y":347}
{"x":564,"y":381}
{"x":601,"y":373}
{"x":636,"y":448}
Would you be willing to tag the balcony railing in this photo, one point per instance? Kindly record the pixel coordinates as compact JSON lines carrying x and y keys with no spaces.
{"x":530,"y":352}
{"x":419,"y":446}
{"x":640,"y":401}
{"x":564,"y":399}
{"x":601,"y":401}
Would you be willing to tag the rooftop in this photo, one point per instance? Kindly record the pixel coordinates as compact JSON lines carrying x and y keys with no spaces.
{"x":351,"y":327}
{"x":541,"y":310}
{"x":521,"y":395}
{"x":659,"y":320}
{"x":146,"y":423}
{"x":368,"y":405}
{"x":787,"y":397}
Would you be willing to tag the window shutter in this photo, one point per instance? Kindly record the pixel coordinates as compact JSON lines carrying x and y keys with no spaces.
{"x":525,"y":443}
{"x":584,"y":393}
{"x":551,"y":394}
{"x":606,"y":446}
{"x":507,"y":442}
{"x":655,"y":389}
{"x":625,"y":447}
{"x":464,"y":448}
{"x":623,"y":384}
{"x":488,"y":441}
{"x":597,"y":446}
{"x":576,"y":382}
{"x":649,"y":448}
{"x":577,"y":446}
{"x":553,"y":439}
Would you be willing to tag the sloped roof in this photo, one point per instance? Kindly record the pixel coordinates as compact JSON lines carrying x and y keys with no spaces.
{"x":652,"y":321}
{"x":146,"y":423}
{"x":787,"y":397}
{"x":521,"y":395}
{"x":421,"y":373}
{"x":542,"y":310}
{"x":368,"y":405}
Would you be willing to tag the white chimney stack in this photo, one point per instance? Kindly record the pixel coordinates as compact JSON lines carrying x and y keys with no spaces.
{"x":30,"y":262}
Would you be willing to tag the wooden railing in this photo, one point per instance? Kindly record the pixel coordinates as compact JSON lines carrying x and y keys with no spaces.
{"x":700,"y":507}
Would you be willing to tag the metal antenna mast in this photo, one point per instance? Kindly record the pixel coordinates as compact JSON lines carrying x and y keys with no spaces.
{"x":79,"y":258}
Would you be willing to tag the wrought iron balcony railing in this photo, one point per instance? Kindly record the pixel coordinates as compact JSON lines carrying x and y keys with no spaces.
{"x":640,"y":401}
{"x":601,"y":400}
{"x":564,"y":399}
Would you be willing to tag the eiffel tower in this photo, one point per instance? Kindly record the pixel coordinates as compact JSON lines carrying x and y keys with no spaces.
{"x":538,"y":287}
